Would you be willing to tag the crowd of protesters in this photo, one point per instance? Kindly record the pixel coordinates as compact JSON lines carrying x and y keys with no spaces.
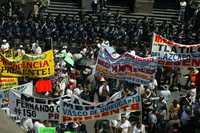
{"x":159,"y":114}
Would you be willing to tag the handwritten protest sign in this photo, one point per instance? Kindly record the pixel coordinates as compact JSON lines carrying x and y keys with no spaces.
{"x":36,"y":66}
{"x":71,"y":112}
{"x":170,"y":53}
{"x":126,"y":67}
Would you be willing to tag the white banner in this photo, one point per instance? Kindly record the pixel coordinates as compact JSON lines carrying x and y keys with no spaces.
{"x":25,"y":89}
{"x":173,"y":54}
{"x":34,"y":107}
{"x":78,"y":110}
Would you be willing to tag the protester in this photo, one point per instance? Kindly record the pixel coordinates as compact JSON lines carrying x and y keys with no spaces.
{"x":139,"y":128}
{"x":94,"y":6}
{"x":183,"y":5}
{"x":5,"y":45}
{"x":124,"y":125}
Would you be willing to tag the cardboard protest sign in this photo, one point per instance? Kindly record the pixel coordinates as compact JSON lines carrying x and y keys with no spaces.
{"x":36,"y":66}
{"x":47,"y":130}
{"x":126,"y":67}
{"x":72,"y":112}
{"x":170,"y":53}
{"x":8,"y":82}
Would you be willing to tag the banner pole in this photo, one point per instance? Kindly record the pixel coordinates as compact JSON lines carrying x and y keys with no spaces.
{"x":140,"y":117}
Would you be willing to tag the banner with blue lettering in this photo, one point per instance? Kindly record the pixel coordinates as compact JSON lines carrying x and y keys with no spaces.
{"x":128,"y":67}
{"x":172,"y":54}
{"x":79,"y":110}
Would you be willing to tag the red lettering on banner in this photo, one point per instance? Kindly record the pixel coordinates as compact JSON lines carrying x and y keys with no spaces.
{"x":168,"y":63}
{"x":45,"y":64}
{"x":4,"y":61}
{"x":121,"y":68}
{"x":88,"y":117}
{"x":54,"y":116}
{"x":35,"y":65}
{"x":29,"y":65}
{"x":195,"y":62}
{"x":114,"y":68}
{"x":97,"y":116}
{"x":186,"y":62}
{"x":129,"y":68}
{"x":161,"y":62}
{"x":78,"y":118}
{"x":177,"y":63}
{"x":105,"y":114}
{"x":125,"y":108}
{"x":115,"y":111}
{"x":103,"y":63}
{"x":66,"y":118}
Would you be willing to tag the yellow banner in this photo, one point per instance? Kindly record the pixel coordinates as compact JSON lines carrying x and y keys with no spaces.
{"x":8,"y":82}
{"x":35,"y":66}
{"x":8,"y":54}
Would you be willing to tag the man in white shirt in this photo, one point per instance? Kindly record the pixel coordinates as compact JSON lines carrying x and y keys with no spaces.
{"x":38,"y":49}
{"x":139,"y":128}
{"x":28,"y":124}
{"x":125,"y":125}
{"x":5,"y":45}
{"x":165,"y":92}
{"x":103,"y":85}
{"x":153,"y":85}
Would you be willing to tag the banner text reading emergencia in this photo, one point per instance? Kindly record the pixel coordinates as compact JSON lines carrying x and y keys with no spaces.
{"x":28,"y":65}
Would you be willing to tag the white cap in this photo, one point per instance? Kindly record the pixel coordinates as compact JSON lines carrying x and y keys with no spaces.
{"x":4,"y":40}
{"x":21,"y":46}
{"x":65,"y":46}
